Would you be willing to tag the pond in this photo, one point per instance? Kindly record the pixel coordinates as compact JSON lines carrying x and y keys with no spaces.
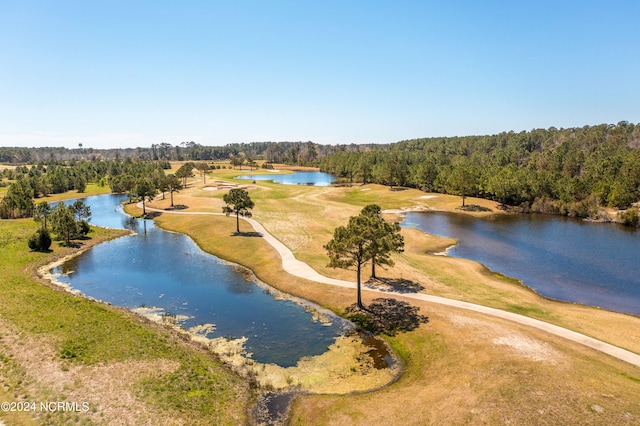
{"x":297,"y":178}
{"x":594,"y":264}
{"x":168,"y":271}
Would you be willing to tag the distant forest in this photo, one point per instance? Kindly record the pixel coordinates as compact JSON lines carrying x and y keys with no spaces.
{"x":574,"y":171}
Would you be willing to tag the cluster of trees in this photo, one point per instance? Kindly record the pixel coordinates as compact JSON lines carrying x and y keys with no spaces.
{"x":53,"y":177}
{"x":298,"y":153}
{"x":366,"y":238}
{"x":567,"y":171}
{"x":68,"y":222}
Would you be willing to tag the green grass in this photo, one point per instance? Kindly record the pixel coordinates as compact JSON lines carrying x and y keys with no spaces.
{"x":84,"y":332}
{"x":91,"y":189}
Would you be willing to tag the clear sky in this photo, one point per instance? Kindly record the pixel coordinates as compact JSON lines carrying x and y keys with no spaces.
{"x":132,"y":73}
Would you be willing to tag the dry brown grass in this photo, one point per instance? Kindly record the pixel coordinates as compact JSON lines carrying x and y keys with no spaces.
{"x":461,"y":367}
{"x":467,"y":369}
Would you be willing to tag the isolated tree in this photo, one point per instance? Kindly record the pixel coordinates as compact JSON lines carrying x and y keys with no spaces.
{"x":350,"y":246}
{"x":144,"y":188}
{"x":238,"y":202}
{"x":173,"y":185}
{"x":385,"y":238}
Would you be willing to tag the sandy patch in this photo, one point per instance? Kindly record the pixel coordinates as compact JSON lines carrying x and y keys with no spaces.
{"x":210,"y":188}
{"x":426,"y":197}
{"x":404,"y":210}
{"x":528,"y":347}
{"x":516,"y":342}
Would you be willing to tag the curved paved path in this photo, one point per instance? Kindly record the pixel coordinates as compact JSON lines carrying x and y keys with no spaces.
{"x":300,"y":269}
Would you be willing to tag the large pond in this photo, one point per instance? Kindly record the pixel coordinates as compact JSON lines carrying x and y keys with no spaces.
{"x":297,"y":178}
{"x":168,"y":271}
{"x":595,"y":264}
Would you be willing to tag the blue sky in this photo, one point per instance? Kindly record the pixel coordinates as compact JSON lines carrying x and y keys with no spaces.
{"x":133,"y":73}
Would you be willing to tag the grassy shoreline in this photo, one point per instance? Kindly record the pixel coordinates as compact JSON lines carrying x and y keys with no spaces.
{"x":305,"y":222}
{"x":56,"y":346}
{"x":461,"y":367}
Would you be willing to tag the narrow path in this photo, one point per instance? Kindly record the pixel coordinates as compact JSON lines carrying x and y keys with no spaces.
{"x":302,"y":270}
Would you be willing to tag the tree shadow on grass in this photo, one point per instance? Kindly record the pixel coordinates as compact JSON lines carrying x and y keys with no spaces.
{"x":474,"y":208}
{"x":246,"y":234}
{"x":388,"y":316}
{"x":177,"y":207}
{"x":399,"y":285}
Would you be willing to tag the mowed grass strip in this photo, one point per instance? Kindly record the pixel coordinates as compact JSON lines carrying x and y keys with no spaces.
{"x":81,"y":335}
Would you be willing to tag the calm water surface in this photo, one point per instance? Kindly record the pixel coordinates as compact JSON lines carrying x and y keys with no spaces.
{"x":297,"y":178}
{"x":156,"y":268}
{"x":595,"y":264}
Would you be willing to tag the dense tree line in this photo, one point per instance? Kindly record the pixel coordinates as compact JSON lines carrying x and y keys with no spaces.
{"x":40,"y":180}
{"x":573,"y":171}
{"x":295,"y":153}
{"x":565,"y":171}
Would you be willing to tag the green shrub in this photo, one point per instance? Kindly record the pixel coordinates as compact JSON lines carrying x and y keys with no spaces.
{"x":40,"y":241}
{"x":629,"y":217}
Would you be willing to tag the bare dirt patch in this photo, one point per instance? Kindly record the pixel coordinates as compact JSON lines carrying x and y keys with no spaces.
{"x":517,"y":343}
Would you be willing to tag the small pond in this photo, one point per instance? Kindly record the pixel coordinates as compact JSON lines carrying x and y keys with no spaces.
{"x":168,"y":271}
{"x":594,"y":264}
{"x":297,"y":178}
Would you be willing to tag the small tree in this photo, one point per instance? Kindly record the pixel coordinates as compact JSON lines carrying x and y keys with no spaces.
{"x":203,"y":168}
{"x":40,"y":241}
{"x":64,"y":223}
{"x":82,"y":214}
{"x":80,"y":210}
{"x":238,"y":202}
{"x":184,"y":172}
{"x":174,"y":185}
{"x":462,"y":180}
{"x":144,"y":188}
{"x":41,"y":213}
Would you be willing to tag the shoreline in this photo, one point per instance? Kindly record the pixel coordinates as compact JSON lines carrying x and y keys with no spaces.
{"x":610,"y":349}
{"x":332,"y":373}
{"x":401,"y":213}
